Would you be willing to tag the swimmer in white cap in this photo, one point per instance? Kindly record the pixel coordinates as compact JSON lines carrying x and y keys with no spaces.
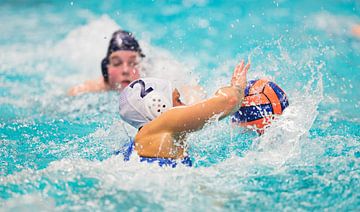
{"x":153,"y":106}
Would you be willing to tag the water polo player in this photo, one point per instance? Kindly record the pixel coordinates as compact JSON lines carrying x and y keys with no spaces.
{"x":153,"y":106}
{"x":119,"y":67}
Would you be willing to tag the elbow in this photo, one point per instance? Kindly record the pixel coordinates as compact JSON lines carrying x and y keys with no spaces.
{"x":74,"y":91}
{"x":71,"y":92}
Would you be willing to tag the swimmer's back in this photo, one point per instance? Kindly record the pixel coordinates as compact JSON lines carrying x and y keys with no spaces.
{"x":157,"y":145}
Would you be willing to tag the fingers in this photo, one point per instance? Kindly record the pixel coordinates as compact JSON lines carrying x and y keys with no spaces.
{"x":239,"y":76}
{"x":240,"y":66}
{"x":239,"y":69}
{"x":244,"y":73}
{"x":247,"y":67}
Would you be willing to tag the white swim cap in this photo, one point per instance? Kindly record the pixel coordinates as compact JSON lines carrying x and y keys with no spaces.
{"x":145,"y":99}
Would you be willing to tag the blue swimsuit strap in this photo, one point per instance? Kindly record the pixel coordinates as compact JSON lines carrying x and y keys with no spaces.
{"x":128,"y":148}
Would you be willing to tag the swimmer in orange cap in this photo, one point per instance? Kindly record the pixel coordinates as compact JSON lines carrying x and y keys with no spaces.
{"x":119,"y":67}
{"x":153,"y":106}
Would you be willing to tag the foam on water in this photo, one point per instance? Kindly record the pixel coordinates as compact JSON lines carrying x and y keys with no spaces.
{"x":334,"y":24}
{"x":58,"y":150}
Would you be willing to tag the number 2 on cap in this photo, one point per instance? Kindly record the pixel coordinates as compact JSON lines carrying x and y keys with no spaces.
{"x":143,"y":92}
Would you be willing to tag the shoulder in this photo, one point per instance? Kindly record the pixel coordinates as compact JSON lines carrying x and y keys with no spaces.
{"x":88,"y":86}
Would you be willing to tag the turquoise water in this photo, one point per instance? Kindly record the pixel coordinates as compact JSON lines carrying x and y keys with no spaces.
{"x":56,"y":151}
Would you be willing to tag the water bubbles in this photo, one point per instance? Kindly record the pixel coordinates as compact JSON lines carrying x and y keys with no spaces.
{"x":70,"y":182}
{"x":203,"y":23}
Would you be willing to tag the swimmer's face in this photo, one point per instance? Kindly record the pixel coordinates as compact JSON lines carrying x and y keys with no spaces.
{"x":176,"y":98}
{"x":123,"y":68}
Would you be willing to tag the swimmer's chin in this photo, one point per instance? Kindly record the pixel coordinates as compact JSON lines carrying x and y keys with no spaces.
{"x":120,"y":86}
{"x":125,"y":83}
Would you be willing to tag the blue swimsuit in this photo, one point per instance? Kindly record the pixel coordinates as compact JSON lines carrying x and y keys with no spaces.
{"x":128,"y":148}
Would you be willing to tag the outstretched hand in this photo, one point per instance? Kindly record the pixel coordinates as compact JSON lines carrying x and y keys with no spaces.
{"x":238,"y":79}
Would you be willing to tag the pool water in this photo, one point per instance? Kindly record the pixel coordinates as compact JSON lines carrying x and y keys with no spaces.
{"x":57,"y":151}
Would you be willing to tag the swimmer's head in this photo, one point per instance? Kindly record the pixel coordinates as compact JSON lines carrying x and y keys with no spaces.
{"x":145,"y":99}
{"x":120,"y":66}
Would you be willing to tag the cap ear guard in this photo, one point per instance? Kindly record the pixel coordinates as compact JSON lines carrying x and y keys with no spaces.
{"x":145,"y":99}
{"x":156,"y":104}
{"x":104,"y":69}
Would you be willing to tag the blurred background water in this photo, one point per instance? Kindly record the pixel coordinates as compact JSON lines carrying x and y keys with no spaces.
{"x":56,"y":151}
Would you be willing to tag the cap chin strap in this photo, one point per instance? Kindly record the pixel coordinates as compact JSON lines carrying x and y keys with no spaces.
{"x":156,"y":104}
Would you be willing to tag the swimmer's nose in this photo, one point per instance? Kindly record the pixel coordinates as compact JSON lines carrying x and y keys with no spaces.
{"x":126,"y":70}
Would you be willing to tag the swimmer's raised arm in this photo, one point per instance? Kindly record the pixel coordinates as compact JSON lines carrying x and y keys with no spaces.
{"x":191,"y":118}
